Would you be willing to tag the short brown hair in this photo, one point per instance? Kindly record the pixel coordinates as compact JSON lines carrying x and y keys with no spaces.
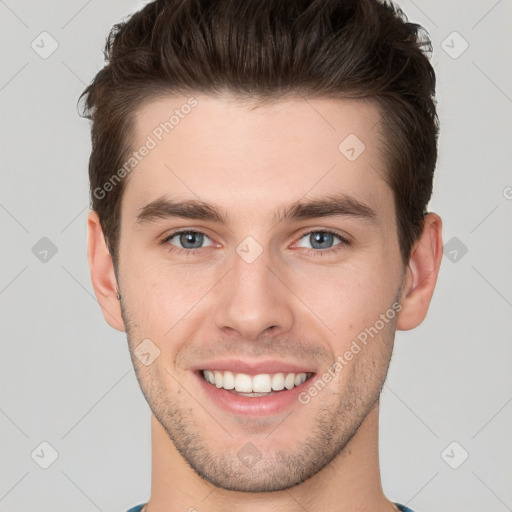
{"x":267,"y":50}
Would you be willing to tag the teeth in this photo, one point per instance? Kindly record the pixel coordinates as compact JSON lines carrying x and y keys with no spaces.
{"x":298,"y":379}
{"x":278,"y":381}
{"x":243,"y":383}
{"x":229,"y":381}
{"x":208,"y":375}
{"x":261,"y":383}
{"x":289,"y":381}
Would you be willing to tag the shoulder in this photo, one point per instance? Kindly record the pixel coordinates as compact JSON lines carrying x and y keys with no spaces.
{"x":137,"y":508}
{"x":403,"y":508}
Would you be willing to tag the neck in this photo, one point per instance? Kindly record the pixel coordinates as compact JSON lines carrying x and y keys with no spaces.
{"x":350,"y":482}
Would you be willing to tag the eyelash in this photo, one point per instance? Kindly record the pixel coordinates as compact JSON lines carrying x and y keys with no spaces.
{"x":344,"y":242}
{"x":318,"y":253}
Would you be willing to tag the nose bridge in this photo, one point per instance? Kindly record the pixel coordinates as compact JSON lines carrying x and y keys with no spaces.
{"x":252,"y":300}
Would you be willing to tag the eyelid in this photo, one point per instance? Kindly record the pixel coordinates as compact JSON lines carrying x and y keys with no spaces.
{"x":345,"y":240}
{"x":166,"y":239}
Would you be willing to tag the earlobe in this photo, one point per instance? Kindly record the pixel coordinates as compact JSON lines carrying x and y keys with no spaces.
{"x":421,"y":274}
{"x":102,"y":273}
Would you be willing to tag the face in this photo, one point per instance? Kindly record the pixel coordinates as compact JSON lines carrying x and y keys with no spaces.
{"x":233,"y":260}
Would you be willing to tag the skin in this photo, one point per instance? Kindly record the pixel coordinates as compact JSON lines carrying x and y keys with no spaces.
{"x":287,"y":304}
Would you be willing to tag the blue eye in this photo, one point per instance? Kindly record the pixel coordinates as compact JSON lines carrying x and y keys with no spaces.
{"x":318,"y":242}
{"x":323,"y":240}
{"x":189,"y":240}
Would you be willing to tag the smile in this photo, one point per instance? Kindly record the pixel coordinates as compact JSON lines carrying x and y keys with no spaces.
{"x":262,"y":384}
{"x":253,"y":394}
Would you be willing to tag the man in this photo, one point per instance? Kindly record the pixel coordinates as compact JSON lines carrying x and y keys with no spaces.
{"x":260,"y":173}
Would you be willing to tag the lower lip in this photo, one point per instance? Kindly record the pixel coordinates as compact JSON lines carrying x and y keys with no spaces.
{"x":253,"y":406}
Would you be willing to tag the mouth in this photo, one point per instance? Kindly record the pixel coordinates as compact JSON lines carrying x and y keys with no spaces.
{"x":249,"y":394}
{"x":262,"y":384}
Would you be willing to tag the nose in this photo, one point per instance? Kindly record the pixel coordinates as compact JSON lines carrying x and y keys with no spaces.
{"x":253,"y":300}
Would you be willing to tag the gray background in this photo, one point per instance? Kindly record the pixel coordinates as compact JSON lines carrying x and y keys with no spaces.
{"x":66,"y":376}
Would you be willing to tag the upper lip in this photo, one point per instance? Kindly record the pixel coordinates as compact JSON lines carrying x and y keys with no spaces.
{"x":253,"y":367}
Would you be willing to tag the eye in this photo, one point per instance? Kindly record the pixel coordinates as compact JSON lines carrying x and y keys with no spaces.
{"x":188,"y":240}
{"x":322,"y":240}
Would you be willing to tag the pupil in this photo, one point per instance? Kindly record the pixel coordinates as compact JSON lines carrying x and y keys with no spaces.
{"x":322,"y":239}
{"x":186,"y":238}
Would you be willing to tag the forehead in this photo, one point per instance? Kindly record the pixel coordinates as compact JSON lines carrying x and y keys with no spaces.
{"x":236,"y":153}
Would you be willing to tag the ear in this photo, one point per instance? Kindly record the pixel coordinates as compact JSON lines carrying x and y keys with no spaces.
{"x":421,"y":274}
{"x":102,"y":273}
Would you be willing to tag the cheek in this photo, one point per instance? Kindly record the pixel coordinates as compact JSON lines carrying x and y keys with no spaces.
{"x":160,"y":295}
{"x":347,"y":298}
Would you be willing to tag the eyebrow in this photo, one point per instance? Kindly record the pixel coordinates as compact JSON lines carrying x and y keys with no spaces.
{"x":329,"y":206}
